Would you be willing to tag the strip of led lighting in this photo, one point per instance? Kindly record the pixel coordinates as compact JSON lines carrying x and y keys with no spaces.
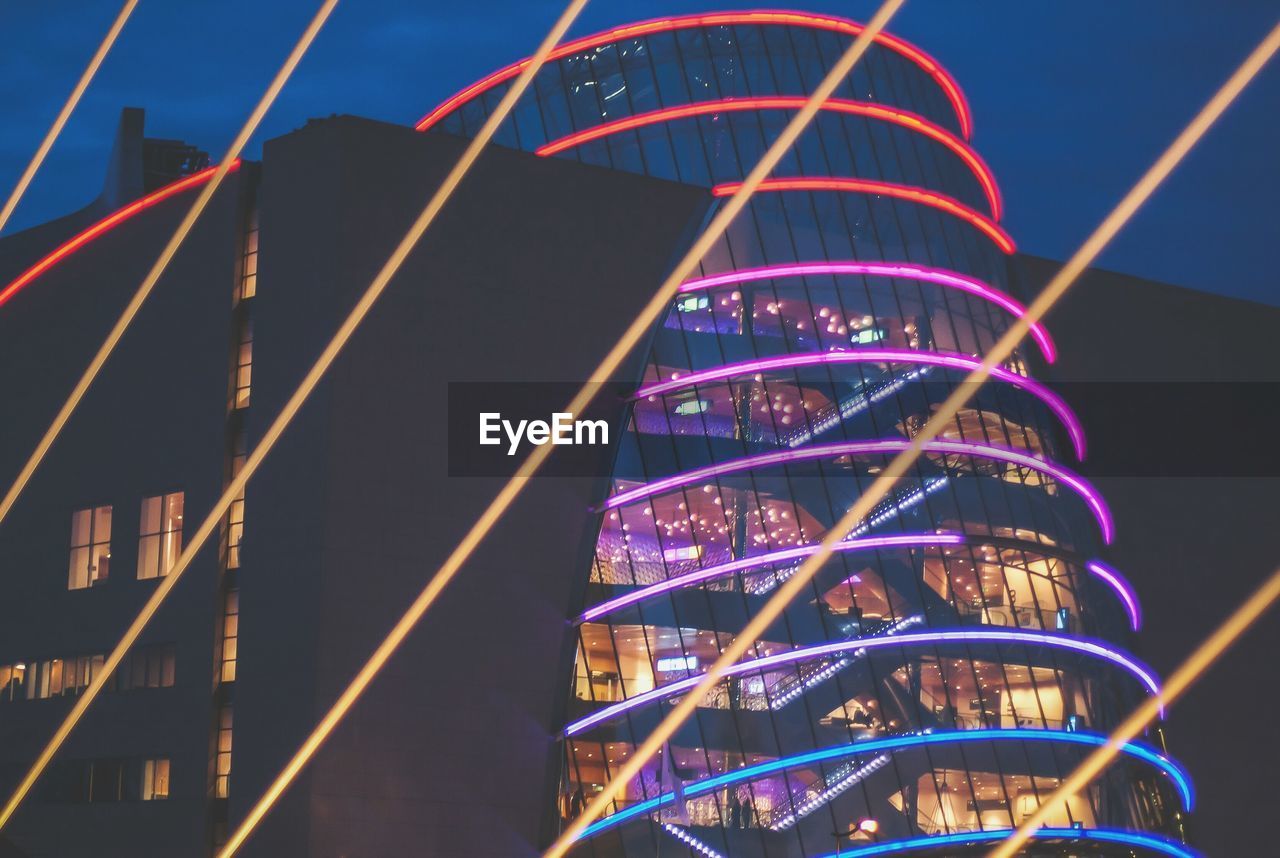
{"x":887,"y":510}
{"x":838,"y":665}
{"x":689,"y":840}
{"x":842,"y":783}
{"x":855,"y":404}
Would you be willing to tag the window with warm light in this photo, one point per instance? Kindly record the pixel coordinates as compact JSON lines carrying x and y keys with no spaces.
{"x":13,"y":681}
{"x":90,"y":547}
{"x":155,"y":780}
{"x":160,"y":535}
{"x":147,"y":666}
{"x":230,"y":634}
{"x":249,"y":259}
{"x":222,"y":755}
{"x":235,"y":513}
{"x":243,"y":373}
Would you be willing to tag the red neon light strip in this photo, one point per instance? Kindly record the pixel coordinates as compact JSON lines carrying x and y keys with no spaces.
{"x":869,"y":186}
{"x":107,"y":223}
{"x":794,"y":102}
{"x":663,"y":25}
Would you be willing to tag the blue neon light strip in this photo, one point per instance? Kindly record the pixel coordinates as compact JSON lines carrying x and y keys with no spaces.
{"x":1135,"y":749}
{"x":965,"y":838}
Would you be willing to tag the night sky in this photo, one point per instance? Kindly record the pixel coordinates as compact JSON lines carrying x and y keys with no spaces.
{"x":1071,"y":102}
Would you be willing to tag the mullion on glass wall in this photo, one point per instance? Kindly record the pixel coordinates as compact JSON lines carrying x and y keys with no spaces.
{"x":814,"y":589}
{"x":876,"y":155}
{"x":898,"y":84}
{"x":872,"y":221}
{"x":998,"y":767}
{"x":630,"y":94}
{"x":613,"y":102}
{"x":747,"y":310}
{"x":554,"y":104}
{"x":672,"y":91}
{"x":815,"y":134}
{"x":677,"y":623}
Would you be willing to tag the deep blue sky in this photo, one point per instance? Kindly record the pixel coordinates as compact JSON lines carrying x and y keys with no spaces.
{"x":1072,"y":100}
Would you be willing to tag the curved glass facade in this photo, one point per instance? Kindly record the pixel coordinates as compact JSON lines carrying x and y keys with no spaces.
{"x":961,"y":652}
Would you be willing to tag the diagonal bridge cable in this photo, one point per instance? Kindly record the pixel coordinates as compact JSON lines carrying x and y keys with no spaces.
{"x":117,"y":332}
{"x":898,"y":468}
{"x":24,"y":181}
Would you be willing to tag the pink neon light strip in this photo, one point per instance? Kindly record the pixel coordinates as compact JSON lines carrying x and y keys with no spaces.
{"x":1122,"y":586}
{"x":938,"y":276}
{"x":986,"y":635}
{"x":938,"y":201}
{"x":908,"y":540}
{"x":717,"y":19}
{"x":106,"y":224}
{"x":964,"y":363}
{"x":886,"y":446}
{"x":895,"y":115}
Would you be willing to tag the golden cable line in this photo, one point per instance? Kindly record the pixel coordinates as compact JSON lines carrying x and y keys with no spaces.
{"x":149,"y":609}
{"x":161,"y":263}
{"x":897,"y":468}
{"x":72,"y":100}
{"x":498,"y":507}
{"x":1187,"y":673}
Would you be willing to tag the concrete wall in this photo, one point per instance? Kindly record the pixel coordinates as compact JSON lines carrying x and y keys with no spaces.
{"x":152,"y":423}
{"x":1197,"y":537}
{"x":530,"y":274}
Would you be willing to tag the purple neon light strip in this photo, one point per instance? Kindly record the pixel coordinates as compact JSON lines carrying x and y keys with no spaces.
{"x":1089,"y":647}
{"x":759,"y":560}
{"x":939,"y":276}
{"x":1122,"y":586}
{"x":964,"y":363}
{"x":1090,"y":495}
{"x":1123,"y":589}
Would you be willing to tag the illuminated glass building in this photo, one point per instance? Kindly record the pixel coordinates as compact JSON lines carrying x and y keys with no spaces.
{"x":959,"y":654}
{"x":965,"y":648}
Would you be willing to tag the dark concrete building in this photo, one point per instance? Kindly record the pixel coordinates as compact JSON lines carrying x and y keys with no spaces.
{"x":452,"y":750}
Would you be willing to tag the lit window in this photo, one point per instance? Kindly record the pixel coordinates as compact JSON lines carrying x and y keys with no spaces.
{"x":49,"y":682}
{"x":90,"y":547}
{"x":160,"y":535}
{"x":53,"y":677}
{"x":222,"y":758}
{"x":230,"y":635}
{"x":235,"y":514}
{"x":249,"y":259}
{"x":12,"y":681}
{"x":155,"y":780}
{"x":243,"y":373}
{"x":77,"y":673}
